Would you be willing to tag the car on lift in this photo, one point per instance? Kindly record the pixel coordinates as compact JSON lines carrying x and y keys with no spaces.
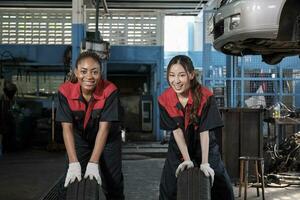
{"x":270,"y":28}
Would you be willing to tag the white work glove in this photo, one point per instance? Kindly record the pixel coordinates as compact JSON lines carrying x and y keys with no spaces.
{"x":92,"y":170}
{"x":74,"y":171}
{"x":208,"y":171}
{"x":184,"y":165}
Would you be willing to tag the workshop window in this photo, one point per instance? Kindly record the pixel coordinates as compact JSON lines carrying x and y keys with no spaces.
{"x":35,"y":26}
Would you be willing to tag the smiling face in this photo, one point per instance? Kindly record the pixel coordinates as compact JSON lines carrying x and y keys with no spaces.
{"x":179,"y":79}
{"x":88,"y":74}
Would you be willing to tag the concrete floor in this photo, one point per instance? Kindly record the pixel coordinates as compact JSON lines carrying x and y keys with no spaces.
{"x":28,"y":175}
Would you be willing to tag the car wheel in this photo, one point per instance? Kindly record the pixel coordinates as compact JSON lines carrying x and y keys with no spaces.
{"x":272,"y":59}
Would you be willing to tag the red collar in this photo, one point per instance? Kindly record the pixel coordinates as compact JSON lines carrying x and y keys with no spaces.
{"x":97,"y":94}
{"x":174,"y":99}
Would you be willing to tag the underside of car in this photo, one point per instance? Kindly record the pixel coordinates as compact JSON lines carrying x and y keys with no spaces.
{"x":273,"y":50}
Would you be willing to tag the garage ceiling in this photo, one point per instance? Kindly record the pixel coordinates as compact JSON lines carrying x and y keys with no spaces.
{"x":169,"y":7}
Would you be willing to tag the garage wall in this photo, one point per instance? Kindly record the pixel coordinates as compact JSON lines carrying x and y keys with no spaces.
{"x":34,"y":54}
{"x":54,"y":26}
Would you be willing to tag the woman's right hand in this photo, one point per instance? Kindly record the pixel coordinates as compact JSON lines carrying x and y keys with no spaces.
{"x":74,"y":171}
{"x":184,"y":165}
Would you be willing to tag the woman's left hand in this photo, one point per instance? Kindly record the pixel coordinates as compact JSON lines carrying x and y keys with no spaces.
{"x":92,"y":171}
{"x":208,"y":171}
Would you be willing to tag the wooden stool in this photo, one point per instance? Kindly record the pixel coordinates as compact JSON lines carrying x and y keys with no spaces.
{"x":244,"y":172}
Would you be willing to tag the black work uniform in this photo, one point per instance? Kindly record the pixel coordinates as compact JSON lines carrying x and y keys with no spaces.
{"x":173,"y":116}
{"x":85,"y":117}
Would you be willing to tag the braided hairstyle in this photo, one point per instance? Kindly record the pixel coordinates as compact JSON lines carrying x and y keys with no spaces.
{"x":86,"y":54}
{"x":195,"y":86}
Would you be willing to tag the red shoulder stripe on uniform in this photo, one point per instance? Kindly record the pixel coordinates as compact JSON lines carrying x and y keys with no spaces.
{"x":70,"y":90}
{"x":103,"y":91}
{"x":72,"y":93}
{"x":206,"y":93}
{"x":168,"y":100}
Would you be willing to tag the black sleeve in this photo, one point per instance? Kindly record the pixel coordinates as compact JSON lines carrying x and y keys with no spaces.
{"x":166,"y":122}
{"x":210,"y":117}
{"x":63,"y":111}
{"x":111,"y":110}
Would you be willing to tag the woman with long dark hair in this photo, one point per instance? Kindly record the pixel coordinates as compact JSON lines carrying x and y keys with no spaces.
{"x":189,"y":110}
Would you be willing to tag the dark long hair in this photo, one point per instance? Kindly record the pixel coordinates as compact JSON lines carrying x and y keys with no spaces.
{"x":195,"y":86}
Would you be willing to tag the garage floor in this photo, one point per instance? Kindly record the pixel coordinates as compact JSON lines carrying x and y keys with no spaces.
{"x":28,"y":175}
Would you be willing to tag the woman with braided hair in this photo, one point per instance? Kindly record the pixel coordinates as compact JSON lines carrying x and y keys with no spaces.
{"x":89,"y":111}
{"x":189,"y":110}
